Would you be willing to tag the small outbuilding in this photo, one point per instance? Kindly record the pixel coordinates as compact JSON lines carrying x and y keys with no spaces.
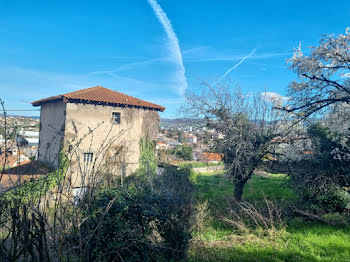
{"x":100,"y":130}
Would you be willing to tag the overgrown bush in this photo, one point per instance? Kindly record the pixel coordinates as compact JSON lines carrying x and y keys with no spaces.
{"x":337,"y":219}
{"x":148,"y":220}
{"x":328,"y":200}
{"x":24,"y":217}
{"x":321,"y":181}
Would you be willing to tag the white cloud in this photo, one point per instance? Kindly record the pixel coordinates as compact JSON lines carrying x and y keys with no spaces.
{"x":274,"y":97}
{"x":173,"y":45}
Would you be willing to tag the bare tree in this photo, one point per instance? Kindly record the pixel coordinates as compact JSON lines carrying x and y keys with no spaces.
{"x":249,"y":124}
{"x":324,"y":76}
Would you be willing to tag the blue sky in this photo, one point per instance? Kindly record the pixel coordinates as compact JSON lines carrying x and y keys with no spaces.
{"x":54,"y":47}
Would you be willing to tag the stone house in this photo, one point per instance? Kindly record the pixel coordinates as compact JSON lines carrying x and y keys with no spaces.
{"x":99,"y":129}
{"x":191,"y":139}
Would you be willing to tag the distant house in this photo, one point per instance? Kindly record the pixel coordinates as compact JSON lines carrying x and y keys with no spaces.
{"x":173,"y":143}
{"x":308,"y":152}
{"x":15,"y":176}
{"x":191,"y":139}
{"x":161,"y":146}
{"x":8,"y":161}
{"x":213,"y":158}
{"x":31,"y":137}
{"x":218,"y":135}
{"x":100,"y":128}
{"x":13,"y":159}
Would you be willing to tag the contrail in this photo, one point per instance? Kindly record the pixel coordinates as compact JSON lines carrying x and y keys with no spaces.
{"x":173,"y":46}
{"x":235,"y":66}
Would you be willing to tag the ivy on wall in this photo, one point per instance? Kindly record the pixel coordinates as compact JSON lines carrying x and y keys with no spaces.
{"x":34,"y":189}
{"x":148,"y":160}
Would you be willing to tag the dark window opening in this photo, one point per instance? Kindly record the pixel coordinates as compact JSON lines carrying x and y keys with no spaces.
{"x":116,"y":118}
{"x":88,"y":157}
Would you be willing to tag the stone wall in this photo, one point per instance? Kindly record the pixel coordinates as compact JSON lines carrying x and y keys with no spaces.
{"x":52,"y":124}
{"x":208,"y":169}
{"x":115,"y":147}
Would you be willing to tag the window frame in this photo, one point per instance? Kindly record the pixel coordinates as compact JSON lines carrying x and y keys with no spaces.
{"x":114,"y":117}
{"x":87,"y":157}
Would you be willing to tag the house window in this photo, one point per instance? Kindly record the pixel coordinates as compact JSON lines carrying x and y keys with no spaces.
{"x":116,"y":117}
{"x":88,"y":157}
{"x":78,"y":194}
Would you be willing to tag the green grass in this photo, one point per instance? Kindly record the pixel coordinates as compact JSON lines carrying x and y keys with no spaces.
{"x":193,"y":164}
{"x":216,"y":188}
{"x":272,"y":187}
{"x":298,"y":241}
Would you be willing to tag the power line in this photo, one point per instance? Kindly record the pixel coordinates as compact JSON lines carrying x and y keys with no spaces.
{"x":20,"y":110}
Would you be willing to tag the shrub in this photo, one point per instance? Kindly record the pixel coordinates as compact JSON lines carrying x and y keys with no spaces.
{"x":332,"y":199}
{"x":338,"y":219}
{"x":320,"y":180}
{"x":149,"y":220}
{"x":184,"y":152}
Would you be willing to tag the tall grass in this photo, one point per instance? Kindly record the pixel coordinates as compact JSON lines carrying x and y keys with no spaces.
{"x":297,"y":240}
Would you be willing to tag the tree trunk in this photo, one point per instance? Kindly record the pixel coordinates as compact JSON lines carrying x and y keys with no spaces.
{"x":239,"y":186}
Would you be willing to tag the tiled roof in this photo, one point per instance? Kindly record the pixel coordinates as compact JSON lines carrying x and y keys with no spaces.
{"x":28,"y":170}
{"x":308,"y":152}
{"x":7,"y":161}
{"x":101,"y":95}
{"x":212,"y":156}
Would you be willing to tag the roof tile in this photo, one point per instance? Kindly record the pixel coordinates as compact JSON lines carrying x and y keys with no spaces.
{"x":101,"y":95}
{"x":212,"y":156}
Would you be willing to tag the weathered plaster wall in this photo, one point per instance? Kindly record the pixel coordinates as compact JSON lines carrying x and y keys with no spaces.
{"x":115,"y":147}
{"x":52,"y":123}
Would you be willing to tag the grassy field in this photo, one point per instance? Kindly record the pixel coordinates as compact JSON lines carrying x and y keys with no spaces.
{"x":192,"y":164}
{"x":296,"y":241}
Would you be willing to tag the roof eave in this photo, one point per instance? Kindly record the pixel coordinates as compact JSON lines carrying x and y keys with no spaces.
{"x":83,"y":101}
{"x":45,"y":100}
{"x":70,"y":100}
